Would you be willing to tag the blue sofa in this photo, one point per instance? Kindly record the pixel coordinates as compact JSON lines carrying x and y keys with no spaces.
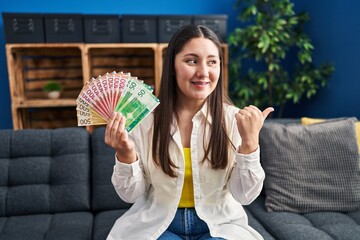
{"x":55,"y":184}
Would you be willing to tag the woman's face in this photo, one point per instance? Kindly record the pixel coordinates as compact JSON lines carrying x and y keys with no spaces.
{"x":197,"y":69}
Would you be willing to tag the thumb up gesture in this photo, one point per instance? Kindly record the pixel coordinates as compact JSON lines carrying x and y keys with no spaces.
{"x":250,"y":120}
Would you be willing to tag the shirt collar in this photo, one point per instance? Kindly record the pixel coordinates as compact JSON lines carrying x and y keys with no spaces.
{"x":202,"y":113}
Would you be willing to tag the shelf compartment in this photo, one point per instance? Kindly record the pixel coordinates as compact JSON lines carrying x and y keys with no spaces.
{"x":46,"y":117}
{"x":35,"y":66}
{"x":139,"y":61}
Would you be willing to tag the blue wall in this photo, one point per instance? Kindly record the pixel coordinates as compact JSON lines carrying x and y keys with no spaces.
{"x":333,"y":29}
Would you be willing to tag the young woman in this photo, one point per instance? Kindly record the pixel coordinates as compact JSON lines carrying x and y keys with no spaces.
{"x":191,"y":165}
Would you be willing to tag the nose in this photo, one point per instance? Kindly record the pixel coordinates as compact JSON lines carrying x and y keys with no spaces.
{"x":202,"y":71}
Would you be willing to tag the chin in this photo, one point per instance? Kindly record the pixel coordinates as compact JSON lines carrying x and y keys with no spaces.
{"x":201,"y":98}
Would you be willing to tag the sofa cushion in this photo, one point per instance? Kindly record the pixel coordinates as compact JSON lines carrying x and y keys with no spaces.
{"x":255,"y":224}
{"x":104,"y":196}
{"x":44,"y":171}
{"x":311,"y":168}
{"x":61,"y":226}
{"x":317,"y":225}
{"x":307,"y":120}
{"x":104,"y":221}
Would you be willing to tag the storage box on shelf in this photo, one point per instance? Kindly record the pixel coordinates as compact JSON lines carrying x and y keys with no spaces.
{"x":30,"y":66}
{"x":23,"y":28}
{"x":102,"y":28}
{"x":169,"y":24}
{"x":139,"y":29}
{"x":64,"y":28}
{"x":217,"y":23}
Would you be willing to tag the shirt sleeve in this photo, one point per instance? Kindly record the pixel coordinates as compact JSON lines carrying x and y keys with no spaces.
{"x":247,"y":177}
{"x":128,"y":180}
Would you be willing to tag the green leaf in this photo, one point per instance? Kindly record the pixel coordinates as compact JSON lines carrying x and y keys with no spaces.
{"x":253,"y":9}
{"x":281,"y":21}
{"x":308,"y":46}
{"x":262,"y":81}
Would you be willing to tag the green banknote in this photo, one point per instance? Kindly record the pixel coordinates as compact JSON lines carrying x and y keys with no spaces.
{"x":137,"y":106}
{"x":133,"y":85}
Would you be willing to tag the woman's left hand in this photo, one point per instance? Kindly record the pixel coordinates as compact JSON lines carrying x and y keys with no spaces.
{"x":249,"y":122}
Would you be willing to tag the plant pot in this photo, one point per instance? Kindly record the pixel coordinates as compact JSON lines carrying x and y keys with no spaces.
{"x":54,"y":94}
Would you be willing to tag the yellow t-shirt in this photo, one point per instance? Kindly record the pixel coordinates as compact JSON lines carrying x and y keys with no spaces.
{"x":187,"y":195}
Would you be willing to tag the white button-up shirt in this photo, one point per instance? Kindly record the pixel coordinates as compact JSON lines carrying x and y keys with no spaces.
{"x":218,"y":193}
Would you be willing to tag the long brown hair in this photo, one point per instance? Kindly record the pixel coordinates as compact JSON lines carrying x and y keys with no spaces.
{"x":163,"y":115}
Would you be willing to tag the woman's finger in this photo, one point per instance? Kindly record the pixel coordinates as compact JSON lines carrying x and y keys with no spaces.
{"x":267,"y":111}
{"x":109,"y":127}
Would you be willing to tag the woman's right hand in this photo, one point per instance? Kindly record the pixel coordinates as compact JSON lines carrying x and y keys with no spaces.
{"x":116,"y":137}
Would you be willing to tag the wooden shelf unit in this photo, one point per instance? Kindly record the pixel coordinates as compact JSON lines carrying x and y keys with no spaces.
{"x":30,"y":66}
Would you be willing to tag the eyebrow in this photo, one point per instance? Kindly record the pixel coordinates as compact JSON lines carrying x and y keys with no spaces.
{"x":195,"y":55}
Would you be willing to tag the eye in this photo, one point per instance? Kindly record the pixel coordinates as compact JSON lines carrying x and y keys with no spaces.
{"x":212,"y":62}
{"x":191,"y":61}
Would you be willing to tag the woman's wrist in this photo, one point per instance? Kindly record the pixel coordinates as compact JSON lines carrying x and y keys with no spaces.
{"x":247,"y":148}
{"x":126,"y":158}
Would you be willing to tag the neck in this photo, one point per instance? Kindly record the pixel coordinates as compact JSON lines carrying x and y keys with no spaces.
{"x":184,"y":104}
{"x":190,"y":107}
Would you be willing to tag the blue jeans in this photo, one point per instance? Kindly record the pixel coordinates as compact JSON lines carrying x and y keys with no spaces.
{"x":188,"y":226}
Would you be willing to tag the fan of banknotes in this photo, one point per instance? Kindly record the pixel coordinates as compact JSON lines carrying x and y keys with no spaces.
{"x":115,"y":92}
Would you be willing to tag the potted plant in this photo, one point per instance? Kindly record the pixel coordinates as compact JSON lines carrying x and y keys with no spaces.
{"x":270,"y":60}
{"x":53,"y":89}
